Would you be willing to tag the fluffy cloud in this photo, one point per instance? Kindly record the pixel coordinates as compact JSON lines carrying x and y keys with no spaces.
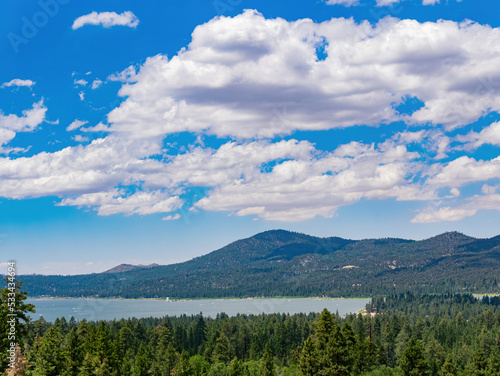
{"x":465,"y":170}
{"x":80,"y":82}
{"x":302,"y":188}
{"x":489,"y":135}
{"x":347,"y":3}
{"x":249,"y":76}
{"x":107,"y":19}
{"x":80,"y":138}
{"x":172,"y":217}
{"x":96,"y":167}
{"x":96,"y":84}
{"x":18,"y":82}
{"x":287,"y":180}
{"x":383,"y":3}
{"x":489,"y":200}
{"x":115,"y":202}
{"x":128,"y":75}
{"x":75,"y":125}
{"x":443,"y":214}
{"x":28,"y":122}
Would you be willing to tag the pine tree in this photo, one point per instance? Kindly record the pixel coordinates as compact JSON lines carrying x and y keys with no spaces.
{"x":351,"y":344}
{"x":448,"y":368}
{"x":199,"y":364}
{"x":102,"y":345}
{"x":412,"y":361}
{"x":337,"y":358}
{"x":494,"y":364}
{"x":88,"y":365}
{"x":183,"y":366}
{"x":267,"y":363}
{"x":200,"y":334}
{"x":222,"y":350}
{"x":142,"y":364}
{"x":73,"y":353}
{"x":308,"y":363}
{"x":480,"y":363}
{"x":435,"y":355}
{"x":236,"y":368}
{"x":324,"y":328}
{"x":50,"y":357}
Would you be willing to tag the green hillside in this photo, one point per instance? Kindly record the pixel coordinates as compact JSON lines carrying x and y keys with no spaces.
{"x":283,"y":263}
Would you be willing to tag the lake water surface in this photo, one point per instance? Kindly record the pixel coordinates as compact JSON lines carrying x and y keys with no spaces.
{"x":109,"y":309}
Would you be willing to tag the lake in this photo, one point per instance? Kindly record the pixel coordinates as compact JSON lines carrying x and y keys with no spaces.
{"x":109,"y":309}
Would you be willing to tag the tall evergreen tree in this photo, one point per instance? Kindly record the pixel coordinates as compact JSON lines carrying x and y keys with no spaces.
{"x":183,"y":366}
{"x":222,"y":351}
{"x":73,"y":353}
{"x":308,"y":363}
{"x":267,"y":363}
{"x":49,"y":358}
{"x":142,"y":363}
{"x":480,"y":363}
{"x":200,"y":334}
{"x":448,"y":368}
{"x":236,"y":368}
{"x":412,"y":360}
{"x":494,"y":363}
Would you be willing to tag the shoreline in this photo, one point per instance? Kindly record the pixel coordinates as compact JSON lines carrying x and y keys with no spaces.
{"x":197,"y":299}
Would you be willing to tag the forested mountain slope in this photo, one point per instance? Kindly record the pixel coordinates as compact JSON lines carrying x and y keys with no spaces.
{"x":283,"y":263}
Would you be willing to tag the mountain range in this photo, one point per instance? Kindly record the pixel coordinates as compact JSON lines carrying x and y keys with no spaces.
{"x":284,"y":263}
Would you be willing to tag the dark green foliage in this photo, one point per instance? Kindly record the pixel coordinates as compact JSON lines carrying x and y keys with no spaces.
{"x":407,"y":334}
{"x":448,"y":368}
{"x":267,"y":363}
{"x":184,"y":367}
{"x":48,"y":355}
{"x":412,"y":361}
{"x":308,"y":359}
{"x":142,"y":363}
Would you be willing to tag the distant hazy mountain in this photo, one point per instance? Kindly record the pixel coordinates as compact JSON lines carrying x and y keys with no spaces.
{"x":128,"y":267}
{"x":278,"y":263}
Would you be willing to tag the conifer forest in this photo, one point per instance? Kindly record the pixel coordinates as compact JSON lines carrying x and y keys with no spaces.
{"x":405,"y":334}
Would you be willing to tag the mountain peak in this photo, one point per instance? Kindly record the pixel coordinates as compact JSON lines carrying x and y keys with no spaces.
{"x":129,"y":267}
{"x":452,"y":236}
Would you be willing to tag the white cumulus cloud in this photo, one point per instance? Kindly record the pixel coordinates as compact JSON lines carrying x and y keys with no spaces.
{"x":18,"y":82}
{"x":28,"y":122}
{"x":172,"y":217}
{"x":80,"y":138}
{"x":251,"y":78}
{"x":96,"y":84}
{"x":347,"y":3}
{"x":107,"y":19}
{"x":383,"y":3}
{"x":142,"y":203}
{"x":75,"y":125}
{"x":80,"y":82}
{"x":489,"y":135}
{"x":248,"y":76}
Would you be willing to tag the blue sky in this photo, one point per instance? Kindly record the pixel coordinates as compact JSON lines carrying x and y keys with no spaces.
{"x":157,"y":132}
